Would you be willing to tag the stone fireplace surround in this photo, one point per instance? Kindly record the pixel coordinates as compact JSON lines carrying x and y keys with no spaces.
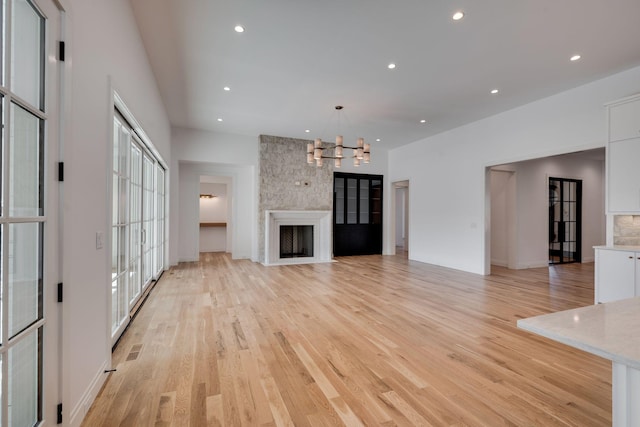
{"x":321,"y":222}
{"x":287,"y":183}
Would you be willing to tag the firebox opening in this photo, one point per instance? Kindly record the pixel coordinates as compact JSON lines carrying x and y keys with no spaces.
{"x":296,"y":241}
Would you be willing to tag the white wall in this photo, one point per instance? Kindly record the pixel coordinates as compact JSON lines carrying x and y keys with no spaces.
{"x":449,"y":223}
{"x":198,"y":153}
{"x":532,"y":204}
{"x":105,"y":52}
{"x":213,"y":239}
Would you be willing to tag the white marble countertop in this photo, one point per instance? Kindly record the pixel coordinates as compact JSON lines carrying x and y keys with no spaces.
{"x":610,"y":330}
{"x":618,"y":248}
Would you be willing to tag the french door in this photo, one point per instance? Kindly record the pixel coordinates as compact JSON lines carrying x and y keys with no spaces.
{"x":137,"y":237}
{"x":565,"y":220}
{"x":29,"y":109}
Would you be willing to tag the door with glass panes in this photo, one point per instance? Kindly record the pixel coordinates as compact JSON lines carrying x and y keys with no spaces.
{"x":357,"y":214}
{"x":137,"y":239}
{"x":29,"y":340}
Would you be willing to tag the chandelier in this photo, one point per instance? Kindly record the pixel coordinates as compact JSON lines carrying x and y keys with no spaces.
{"x":318,"y":150}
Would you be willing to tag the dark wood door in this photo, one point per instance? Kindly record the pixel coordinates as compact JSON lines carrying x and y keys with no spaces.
{"x":357,"y":214}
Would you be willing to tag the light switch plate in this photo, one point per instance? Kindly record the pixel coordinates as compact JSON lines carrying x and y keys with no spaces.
{"x":99,"y":239}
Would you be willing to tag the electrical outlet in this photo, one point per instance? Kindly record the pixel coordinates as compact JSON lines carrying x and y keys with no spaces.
{"x":307,"y":183}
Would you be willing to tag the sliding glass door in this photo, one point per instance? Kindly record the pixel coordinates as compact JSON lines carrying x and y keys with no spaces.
{"x":138,"y":200}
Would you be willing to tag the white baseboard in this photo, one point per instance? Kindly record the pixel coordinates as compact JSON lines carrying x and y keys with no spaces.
{"x":537,"y":264}
{"x":499,"y":262}
{"x":589,"y":259}
{"x":81,"y":408}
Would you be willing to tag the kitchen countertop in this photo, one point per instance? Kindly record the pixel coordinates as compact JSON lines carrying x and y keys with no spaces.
{"x":610,"y":330}
{"x":618,"y":248}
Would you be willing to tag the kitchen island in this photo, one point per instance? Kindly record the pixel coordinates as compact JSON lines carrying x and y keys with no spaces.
{"x":610,"y":330}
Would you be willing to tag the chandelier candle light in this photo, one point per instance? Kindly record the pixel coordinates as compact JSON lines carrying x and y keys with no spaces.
{"x":319,"y":150}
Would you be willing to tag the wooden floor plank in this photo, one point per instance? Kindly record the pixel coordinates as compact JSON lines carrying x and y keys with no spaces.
{"x":372,"y":340}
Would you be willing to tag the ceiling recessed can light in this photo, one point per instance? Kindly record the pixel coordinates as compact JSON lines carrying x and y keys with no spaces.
{"x":219,"y":119}
{"x":458,"y":15}
{"x":377,"y":139}
{"x":494,"y":91}
{"x":391,"y":66}
{"x":423,"y":121}
{"x":575,"y":57}
{"x":239,"y":29}
{"x":307,"y":130}
{"x":227,"y":88}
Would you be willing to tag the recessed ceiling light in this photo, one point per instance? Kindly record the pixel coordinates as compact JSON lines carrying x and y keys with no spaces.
{"x":458,"y":15}
{"x":391,"y":66}
{"x":377,"y":139}
{"x":239,"y":29}
{"x":423,"y":121}
{"x":219,"y":119}
{"x":575,"y":57}
{"x":494,"y":91}
{"x":307,"y":131}
{"x":227,"y":88}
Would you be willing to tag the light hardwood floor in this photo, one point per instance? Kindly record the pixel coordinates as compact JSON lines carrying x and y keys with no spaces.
{"x":373,"y":340}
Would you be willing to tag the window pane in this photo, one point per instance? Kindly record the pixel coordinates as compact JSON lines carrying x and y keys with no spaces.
{"x":352,"y":201}
{"x":2,"y":210}
{"x":114,"y":252}
{"x":27,"y":64}
{"x":339,"y":185}
{"x":364,"y":201}
{"x":24,"y":376}
{"x":25,"y":275}
{"x":26,"y":163}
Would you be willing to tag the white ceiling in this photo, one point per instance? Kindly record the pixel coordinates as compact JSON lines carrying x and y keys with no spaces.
{"x":297,"y":59}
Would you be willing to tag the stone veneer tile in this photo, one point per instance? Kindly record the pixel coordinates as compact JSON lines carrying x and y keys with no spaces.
{"x":283,"y":162}
{"x":626,"y":230}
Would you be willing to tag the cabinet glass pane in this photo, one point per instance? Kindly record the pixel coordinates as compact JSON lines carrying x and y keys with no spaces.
{"x":339,"y":188}
{"x":25,"y":275}
{"x":352,"y":201}
{"x":24,"y":377}
{"x":364,"y":201}
{"x":26,"y":163}
{"x":27,"y":62}
{"x":376,"y":201}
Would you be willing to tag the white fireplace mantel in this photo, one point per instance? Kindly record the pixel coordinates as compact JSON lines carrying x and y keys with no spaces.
{"x":321,"y":222}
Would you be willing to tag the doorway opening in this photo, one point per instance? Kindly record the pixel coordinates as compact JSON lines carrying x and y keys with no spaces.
{"x":401,"y":227}
{"x":214,"y":214}
{"x":565,"y":220}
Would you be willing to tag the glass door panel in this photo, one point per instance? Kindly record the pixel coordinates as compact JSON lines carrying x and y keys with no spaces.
{"x":24,"y":381}
{"x":565,"y":204}
{"x":25,"y":276}
{"x":24,"y":50}
{"x":135,"y":224}
{"x":160,"y":222}
{"x":27,"y":59}
{"x":148,"y":216}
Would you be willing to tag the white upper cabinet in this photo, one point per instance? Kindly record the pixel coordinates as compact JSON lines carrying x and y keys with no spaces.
{"x":623,"y":156}
{"x":624,"y":120}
